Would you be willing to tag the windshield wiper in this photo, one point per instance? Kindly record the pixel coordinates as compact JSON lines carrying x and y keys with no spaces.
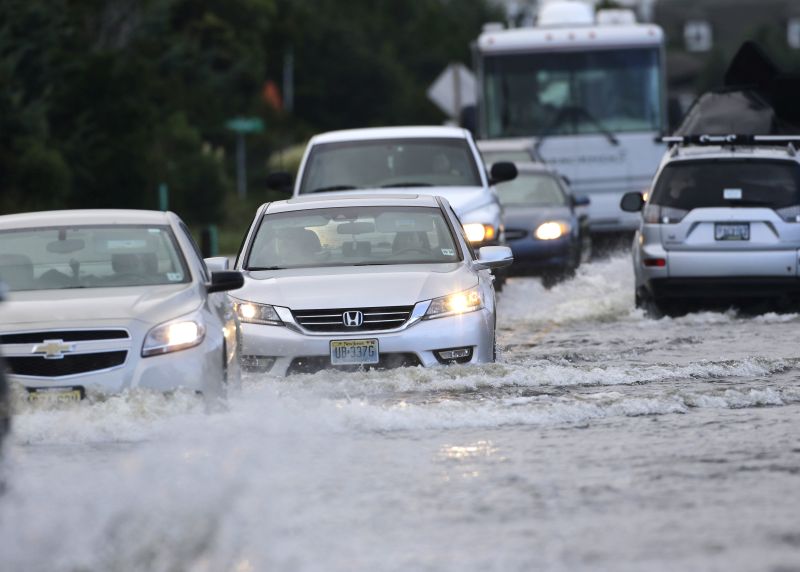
{"x":393,"y":185}
{"x":573,"y":112}
{"x":257,"y":268}
{"x":334,"y":188}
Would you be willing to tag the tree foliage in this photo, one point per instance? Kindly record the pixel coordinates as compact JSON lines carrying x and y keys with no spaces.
{"x":103,"y":100}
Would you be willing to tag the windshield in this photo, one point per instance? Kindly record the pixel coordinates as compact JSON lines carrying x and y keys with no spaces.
{"x":532,"y":189}
{"x":89,"y":257}
{"x":572,"y":93}
{"x":728,"y":183}
{"x":352,"y":236}
{"x":397,"y":163}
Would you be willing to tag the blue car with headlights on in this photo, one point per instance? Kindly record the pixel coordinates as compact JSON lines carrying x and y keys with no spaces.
{"x":545,"y":225}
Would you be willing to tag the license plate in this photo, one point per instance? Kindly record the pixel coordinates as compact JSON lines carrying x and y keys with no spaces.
{"x":731,"y":231}
{"x":55,"y":394}
{"x":354,"y":352}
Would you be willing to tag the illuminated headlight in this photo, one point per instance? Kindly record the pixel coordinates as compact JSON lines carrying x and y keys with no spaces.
{"x":458,"y":303}
{"x":252,"y":313}
{"x":173,"y":336}
{"x":551,"y":230}
{"x":477,"y":232}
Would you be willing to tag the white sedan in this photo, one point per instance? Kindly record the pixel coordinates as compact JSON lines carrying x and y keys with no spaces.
{"x":364,"y":281}
{"x":109,"y":300}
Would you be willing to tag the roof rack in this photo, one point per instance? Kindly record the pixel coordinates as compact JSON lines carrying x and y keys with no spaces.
{"x":732,"y":139}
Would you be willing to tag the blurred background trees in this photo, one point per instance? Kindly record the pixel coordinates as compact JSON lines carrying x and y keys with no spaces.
{"x":103,"y":100}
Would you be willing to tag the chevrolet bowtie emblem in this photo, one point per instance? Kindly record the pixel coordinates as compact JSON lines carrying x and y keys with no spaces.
{"x":53,"y":349}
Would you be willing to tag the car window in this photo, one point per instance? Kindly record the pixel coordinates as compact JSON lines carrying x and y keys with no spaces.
{"x":352,"y":236}
{"x":728,"y":183}
{"x":90,"y":257}
{"x":460,"y":227}
{"x":439,"y":162}
{"x":532,"y":189}
{"x":188,"y":235}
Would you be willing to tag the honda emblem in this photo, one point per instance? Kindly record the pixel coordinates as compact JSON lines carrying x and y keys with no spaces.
{"x":353,"y":319}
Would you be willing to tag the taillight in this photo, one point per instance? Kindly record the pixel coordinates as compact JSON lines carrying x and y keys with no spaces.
{"x":655,"y":262}
{"x":656,"y":214}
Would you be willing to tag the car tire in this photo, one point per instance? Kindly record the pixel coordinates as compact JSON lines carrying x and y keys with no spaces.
{"x":653,"y":307}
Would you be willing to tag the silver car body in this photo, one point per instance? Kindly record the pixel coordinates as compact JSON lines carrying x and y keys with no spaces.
{"x":329,"y":293}
{"x":45,"y":330}
{"x":475,"y":204}
{"x":690,"y":259}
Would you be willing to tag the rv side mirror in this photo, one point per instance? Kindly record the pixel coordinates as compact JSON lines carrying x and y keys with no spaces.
{"x":280,"y":181}
{"x":502,"y":171}
{"x":632,"y":202}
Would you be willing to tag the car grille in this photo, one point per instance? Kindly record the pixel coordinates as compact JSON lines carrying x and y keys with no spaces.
{"x":515,"y":233}
{"x":66,"y":336}
{"x":373,"y":319}
{"x":313,"y":364}
{"x":68,"y":365}
{"x":91,"y":350}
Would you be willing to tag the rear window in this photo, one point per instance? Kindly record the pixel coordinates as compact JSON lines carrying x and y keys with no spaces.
{"x":728,"y":183}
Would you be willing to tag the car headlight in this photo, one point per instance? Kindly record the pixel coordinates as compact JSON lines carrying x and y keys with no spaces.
{"x":477,"y":232}
{"x":458,"y":303}
{"x":174,"y":336}
{"x":252,"y":313}
{"x":551,"y":230}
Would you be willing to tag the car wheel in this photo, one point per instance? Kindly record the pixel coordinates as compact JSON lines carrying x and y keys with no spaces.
{"x":653,"y":307}
{"x":551,"y":279}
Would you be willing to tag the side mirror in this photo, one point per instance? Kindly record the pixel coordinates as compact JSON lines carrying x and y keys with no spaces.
{"x":225,"y":280}
{"x":280,"y":181}
{"x":580,"y":201}
{"x":501,"y":172}
{"x":632,"y":202}
{"x":217,"y":263}
{"x":492,"y":257}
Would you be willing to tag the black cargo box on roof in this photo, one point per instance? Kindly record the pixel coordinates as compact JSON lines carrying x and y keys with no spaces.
{"x":757,"y":99}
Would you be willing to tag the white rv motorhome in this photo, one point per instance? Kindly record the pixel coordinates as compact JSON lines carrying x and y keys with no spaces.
{"x":589,"y":91}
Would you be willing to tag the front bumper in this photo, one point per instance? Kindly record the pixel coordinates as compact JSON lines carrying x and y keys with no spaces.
{"x":199,"y":369}
{"x":533,"y":257}
{"x":287,"y":349}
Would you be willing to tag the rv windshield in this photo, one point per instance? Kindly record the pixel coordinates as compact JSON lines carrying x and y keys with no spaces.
{"x":572,"y":93}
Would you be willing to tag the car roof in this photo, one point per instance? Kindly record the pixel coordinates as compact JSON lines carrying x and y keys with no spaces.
{"x":505,"y":144}
{"x":335,"y":200}
{"x":84,"y":217}
{"x":375,"y":133}
{"x":534,"y":167}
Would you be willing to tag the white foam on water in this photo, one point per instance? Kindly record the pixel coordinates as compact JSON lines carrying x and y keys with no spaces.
{"x":600,"y":291}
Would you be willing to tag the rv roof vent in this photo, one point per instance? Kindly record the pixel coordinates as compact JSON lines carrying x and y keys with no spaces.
{"x":615,"y":17}
{"x":490,"y":27}
{"x":566,"y":13}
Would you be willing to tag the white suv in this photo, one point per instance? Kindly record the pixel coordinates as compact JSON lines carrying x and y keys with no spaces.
{"x":721,"y":224}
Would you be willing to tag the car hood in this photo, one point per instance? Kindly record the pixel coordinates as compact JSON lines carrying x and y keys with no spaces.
{"x":355,"y":286}
{"x":150,"y":304}
{"x":518,"y":216}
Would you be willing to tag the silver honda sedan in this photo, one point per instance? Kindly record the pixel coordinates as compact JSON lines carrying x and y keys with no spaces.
{"x":364,"y":281}
{"x":108,"y":300}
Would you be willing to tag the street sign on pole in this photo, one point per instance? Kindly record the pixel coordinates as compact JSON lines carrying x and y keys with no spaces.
{"x":453,"y":90}
{"x":242,"y":125}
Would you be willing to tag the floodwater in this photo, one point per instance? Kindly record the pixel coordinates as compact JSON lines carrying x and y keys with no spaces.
{"x":601,"y":440}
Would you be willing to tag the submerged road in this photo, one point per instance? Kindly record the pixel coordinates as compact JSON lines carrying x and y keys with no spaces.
{"x":602,"y":440}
